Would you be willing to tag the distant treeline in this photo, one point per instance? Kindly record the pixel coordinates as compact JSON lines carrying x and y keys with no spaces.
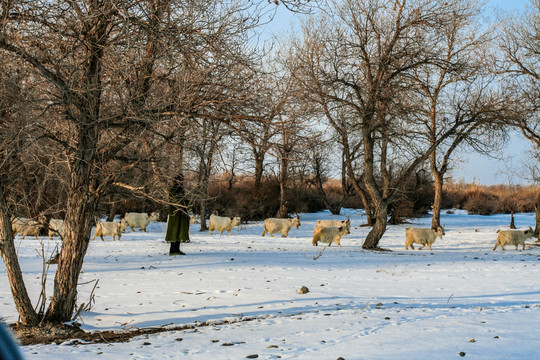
{"x":252,"y":204}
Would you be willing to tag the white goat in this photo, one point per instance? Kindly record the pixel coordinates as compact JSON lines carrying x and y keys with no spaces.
{"x":283,"y":226}
{"x":513,"y":237}
{"x":139,"y":220}
{"x":336,"y":223}
{"x":423,"y":236}
{"x":221,"y":224}
{"x":193,"y":219}
{"x":56,"y":227}
{"x":25,"y":226}
{"x":107,"y":228}
{"x":329,"y":234}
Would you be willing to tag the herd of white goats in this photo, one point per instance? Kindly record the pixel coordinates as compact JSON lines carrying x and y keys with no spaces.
{"x":326,"y":231}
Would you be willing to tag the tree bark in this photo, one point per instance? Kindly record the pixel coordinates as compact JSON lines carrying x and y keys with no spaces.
{"x":203,"y":185}
{"x":202,"y":216}
{"x":259,"y":167}
{"x":512,"y":222}
{"x":283,"y":212}
{"x":112,"y":210}
{"x":537,"y":217}
{"x":80,"y":210}
{"x":437,"y":199}
{"x":368,"y":208}
{"x":380,"y":204}
{"x":7,"y":249}
{"x":204,"y":178}
{"x":379,"y":228}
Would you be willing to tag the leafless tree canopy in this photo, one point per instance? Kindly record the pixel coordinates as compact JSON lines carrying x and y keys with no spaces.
{"x":113,"y":87}
{"x":370,"y":67}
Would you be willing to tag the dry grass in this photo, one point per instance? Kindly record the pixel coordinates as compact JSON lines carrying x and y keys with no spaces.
{"x":485,"y":200}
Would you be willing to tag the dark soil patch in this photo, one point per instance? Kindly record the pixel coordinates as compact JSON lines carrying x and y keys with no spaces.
{"x":45,"y":333}
{"x":59,"y":333}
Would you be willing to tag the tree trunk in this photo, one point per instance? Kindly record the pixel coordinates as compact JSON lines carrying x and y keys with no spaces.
{"x":378,"y":230}
{"x":334,"y":210}
{"x":537,"y":217}
{"x":283,"y":212}
{"x":437,"y":200}
{"x":203,"y":186}
{"x":7,"y":250}
{"x":202,"y":216}
{"x":512,"y":223}
{"x":231,"y":181}
{"x":394,"y":218}
{"x":368,"y":208}
{"x":112,"y":211}
{"x":370,"y":220}
{"x":259,"y":167}
{"x":202,"y":208}
{"x":79,"y":212}
{"x":83,"y":198}
{"x":380,"y":202}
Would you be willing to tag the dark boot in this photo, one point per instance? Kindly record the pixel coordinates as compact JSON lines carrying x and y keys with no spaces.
{"x":175,"y":248}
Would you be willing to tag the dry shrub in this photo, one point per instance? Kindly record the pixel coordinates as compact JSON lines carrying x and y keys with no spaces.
{"x":485,"y":200}
{"x":354,"y":202}
{"x":245,"y":200}
{"x":415,"y":200}
{"x":455,"y":195}
{"x":333,"y":191}
{"x":404,"y":208}
{"x":515,"y":198}
{"x":480,"y":203}
{"x":422,"y":199}
{"x":253,"y":204}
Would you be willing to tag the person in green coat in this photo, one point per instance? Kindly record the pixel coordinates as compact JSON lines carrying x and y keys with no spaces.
{"x":178,"y":222}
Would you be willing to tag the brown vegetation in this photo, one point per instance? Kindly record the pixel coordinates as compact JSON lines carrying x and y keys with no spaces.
{"x":493,"y":199}
{"x":253,"y":204}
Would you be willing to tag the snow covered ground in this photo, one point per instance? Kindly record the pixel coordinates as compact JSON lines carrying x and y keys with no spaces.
{"x":459,"y":300}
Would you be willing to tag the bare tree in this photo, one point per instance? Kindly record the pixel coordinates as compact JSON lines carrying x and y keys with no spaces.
{"x":81,"y":103}
{"x":475,"y":113}
{"x":454,"y":95}
{"x":520,"y":45}
{"x":359,"y":64}
{"x":115,"y":76}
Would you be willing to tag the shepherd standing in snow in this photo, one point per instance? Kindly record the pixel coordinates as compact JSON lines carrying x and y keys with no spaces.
{"x":178,"y":222}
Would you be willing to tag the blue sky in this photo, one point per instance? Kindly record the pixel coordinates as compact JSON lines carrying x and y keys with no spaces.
{"x":471,"y":167}
{"x":509,"y":4}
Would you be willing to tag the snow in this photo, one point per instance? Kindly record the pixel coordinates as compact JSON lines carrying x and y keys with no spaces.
{"x":242,"y":292}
